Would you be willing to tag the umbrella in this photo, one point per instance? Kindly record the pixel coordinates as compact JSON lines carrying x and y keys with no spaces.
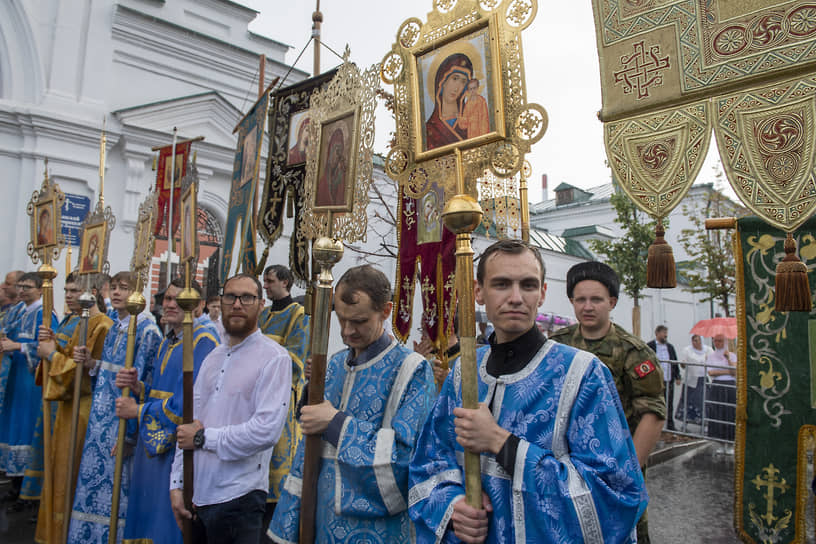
{"x":726,"y":326}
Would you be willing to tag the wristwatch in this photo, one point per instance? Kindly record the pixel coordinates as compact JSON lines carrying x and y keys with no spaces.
{"x":198,"y":439}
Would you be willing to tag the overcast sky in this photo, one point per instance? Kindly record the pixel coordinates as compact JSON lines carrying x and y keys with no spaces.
{"x":561,"y":62}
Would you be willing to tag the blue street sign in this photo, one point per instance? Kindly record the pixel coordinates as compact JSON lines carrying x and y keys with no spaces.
{"x":74,"y":210}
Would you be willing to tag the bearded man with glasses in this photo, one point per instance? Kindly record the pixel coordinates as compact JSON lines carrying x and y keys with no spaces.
{"x":240,"y":402}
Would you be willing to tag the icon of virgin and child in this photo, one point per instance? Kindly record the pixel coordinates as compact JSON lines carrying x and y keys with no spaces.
{"x":460,"y":111}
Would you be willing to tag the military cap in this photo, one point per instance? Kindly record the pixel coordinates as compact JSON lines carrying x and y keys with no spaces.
{"x":593,"y":270}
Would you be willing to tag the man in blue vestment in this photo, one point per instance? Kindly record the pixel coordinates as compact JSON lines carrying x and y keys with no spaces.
{"x":22,"y":402}
{"x":90,"y":517}
{"x":377,"y":394}
{"x":557,"y":461}
{"x":284,"y":321}
{"x":34,"y":471}
{"x":11,"y":311}
{"x":149,"y":515}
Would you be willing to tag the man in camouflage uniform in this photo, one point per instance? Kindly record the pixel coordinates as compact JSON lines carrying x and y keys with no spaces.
{"x":593,"y":288}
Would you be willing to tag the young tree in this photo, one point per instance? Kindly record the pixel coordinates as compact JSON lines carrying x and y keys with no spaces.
{"x":713,"y":271}
{"x":627,"y":254}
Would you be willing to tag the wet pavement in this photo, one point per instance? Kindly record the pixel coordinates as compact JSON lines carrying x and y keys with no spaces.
{"x":690,"y":482}
{"x":16,"y":526}
{"x":692,"y":496}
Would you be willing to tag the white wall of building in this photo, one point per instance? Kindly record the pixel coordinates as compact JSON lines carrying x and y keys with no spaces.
{"x":144,"y":66}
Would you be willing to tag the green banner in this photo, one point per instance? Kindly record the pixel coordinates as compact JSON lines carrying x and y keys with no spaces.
{"x":775,"y":414}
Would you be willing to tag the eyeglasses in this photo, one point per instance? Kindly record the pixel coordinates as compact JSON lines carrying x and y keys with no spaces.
{"x":229,"y":299}
{"x":25,"y":287}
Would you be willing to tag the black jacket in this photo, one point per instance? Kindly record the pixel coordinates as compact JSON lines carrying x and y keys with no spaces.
{"x":675,"y":370}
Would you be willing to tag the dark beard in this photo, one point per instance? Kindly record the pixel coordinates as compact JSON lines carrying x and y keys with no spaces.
{"x":239,"y":331}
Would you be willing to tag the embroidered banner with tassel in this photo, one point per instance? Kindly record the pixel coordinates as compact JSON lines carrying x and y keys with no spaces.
{"x":776,"y":392}
{"x":426,"y":255}
{"x":751,"y":64}
{"x":286,"y":169}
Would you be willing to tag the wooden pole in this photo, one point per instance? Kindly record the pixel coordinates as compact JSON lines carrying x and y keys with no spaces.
{"x":716,"y":223}
{"x":261,"y":74}
{"x":47,"y":273}
{"x":86,"y":301}
{"x":188,"y":300}
{"x":462,"y":215}
{"x":326,"y":252}
{"x":135,"y":304}
{"x":317,"y":22}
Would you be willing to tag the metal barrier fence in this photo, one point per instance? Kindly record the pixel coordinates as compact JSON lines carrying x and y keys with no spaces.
{"x":706,"y":409}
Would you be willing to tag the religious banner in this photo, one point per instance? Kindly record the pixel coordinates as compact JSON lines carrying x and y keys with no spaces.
{"x":426,"y":254}
{"x":459,"y":88}
{"x":339,"y":154}
{"x":669,"y":67}
{"x":776,"y":395}
{"x":459,"y":85}
{"x":95,"y":241}
{"x":658,"y":54}
{"x":767,"y":139}
{"x":286,"y":170}
{"x":240,"y":227}
{"x":170,"y":171}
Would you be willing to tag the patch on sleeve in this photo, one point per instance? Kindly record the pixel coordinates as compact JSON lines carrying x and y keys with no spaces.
{"x":645,"y":368}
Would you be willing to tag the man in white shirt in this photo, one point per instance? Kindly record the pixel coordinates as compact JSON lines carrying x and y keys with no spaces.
{"x":241,"y":398}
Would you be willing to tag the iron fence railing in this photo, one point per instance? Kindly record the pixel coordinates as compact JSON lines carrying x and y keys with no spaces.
{"x":707,"y":408}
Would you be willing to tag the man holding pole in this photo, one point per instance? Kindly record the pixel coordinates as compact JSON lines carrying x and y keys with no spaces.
{"x":241,"y":398}
{"x":149,"y":515}
{"x":557,"y":460}
{"x":90,"y":517}
{"x":377,"y":394}
{"x":286,"y":322}
{"x":22,"y":402}
{"x":60,"y":348}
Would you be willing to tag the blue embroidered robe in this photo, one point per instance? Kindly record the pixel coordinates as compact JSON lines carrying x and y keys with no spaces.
{"x":10,"y":320}
{"x":149,"y":516}
{"x":576,"y":477}
{"x":208,"y":325}
{"x":288,"y":327}
{"x":90,"y":518}
{"x":363,"y":483}
{"x":33,"y":479}
{"x":22,"y":404}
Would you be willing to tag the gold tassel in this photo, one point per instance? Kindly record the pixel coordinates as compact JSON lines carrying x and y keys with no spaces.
{"x":792,"y":287}
{"x":259,"y":268}
{"x":660,"y":264}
